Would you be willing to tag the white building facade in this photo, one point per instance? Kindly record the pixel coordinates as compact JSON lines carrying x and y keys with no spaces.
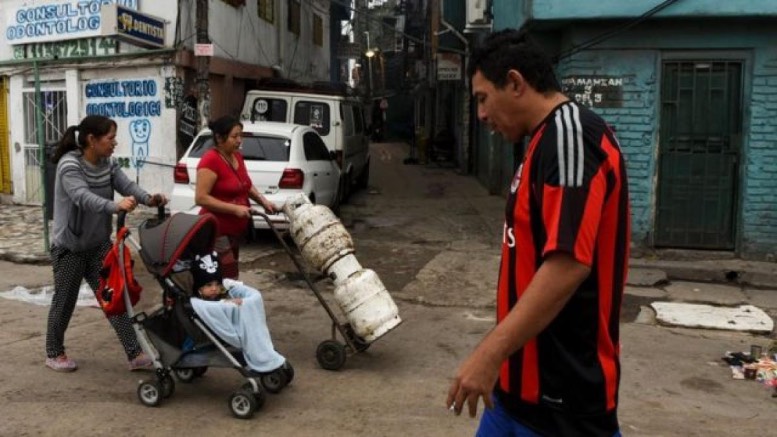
{"x":142,"y":78}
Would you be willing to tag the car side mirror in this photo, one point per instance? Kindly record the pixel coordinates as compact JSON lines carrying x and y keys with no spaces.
{"x":332,"y":155}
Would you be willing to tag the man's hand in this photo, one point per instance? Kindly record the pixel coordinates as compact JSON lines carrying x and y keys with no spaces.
{"x":475,"y":379}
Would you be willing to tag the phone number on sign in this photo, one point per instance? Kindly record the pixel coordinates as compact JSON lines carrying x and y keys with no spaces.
{"x":67,"y":49}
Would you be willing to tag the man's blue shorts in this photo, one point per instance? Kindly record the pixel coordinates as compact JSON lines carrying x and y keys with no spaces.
{"x":496,"y":422}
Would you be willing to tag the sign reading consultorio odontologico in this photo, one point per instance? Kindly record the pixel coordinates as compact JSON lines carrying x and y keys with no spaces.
{"x":123,"y":98}
{"x":57,"y":20}
{"x":594,"y":90}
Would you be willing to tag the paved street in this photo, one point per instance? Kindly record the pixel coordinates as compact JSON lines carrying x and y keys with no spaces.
{"x":433,"y":237}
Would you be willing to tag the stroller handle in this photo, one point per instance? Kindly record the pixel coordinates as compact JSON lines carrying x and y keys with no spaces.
{"x":121,"y":217}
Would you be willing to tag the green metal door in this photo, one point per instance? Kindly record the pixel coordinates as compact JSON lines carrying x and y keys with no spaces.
{"x":699,"y":147}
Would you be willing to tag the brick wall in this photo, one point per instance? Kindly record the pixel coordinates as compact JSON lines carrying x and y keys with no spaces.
{"x":759,"y":203}
{"x":635,"y":121}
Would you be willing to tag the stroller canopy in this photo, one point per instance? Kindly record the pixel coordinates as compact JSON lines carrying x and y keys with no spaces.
{"x":180,"y":236}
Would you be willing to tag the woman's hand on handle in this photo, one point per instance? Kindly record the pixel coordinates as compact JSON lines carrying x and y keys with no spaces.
{"x":269,"y":207}
{"x":242,"y":211}
{"x":157,"y":199}
{"x":127,"y":204}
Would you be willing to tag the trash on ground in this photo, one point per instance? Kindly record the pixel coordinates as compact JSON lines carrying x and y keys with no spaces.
{"x":761,"y":367}
{"x":42,"y":296}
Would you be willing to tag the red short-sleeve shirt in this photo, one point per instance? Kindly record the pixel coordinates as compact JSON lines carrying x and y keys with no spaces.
{"x":232,"y":186}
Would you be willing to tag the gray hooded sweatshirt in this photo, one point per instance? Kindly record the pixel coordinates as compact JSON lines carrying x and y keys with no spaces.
{"x":83,"y":201}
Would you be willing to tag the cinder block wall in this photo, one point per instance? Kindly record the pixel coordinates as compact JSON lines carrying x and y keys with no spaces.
{"x":759,"y":203}
{"x":635,"y":122}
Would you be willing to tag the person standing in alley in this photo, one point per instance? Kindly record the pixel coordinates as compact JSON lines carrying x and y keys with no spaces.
{"x":550,"y":366}
{"x":223,"y":189}
{"x":84,"y":186}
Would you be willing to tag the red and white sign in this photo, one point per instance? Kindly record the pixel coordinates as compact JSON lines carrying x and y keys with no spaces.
{"x":203,"y":50}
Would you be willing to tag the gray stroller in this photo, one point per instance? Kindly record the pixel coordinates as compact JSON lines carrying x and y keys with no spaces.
{"x":174,"y":335}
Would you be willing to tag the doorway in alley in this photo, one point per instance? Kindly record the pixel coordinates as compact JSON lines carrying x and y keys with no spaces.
{"x":700,"y":144}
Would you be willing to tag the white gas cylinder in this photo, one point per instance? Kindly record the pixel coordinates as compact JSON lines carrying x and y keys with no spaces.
{"x":293,"y":204}
{"x":320,"y":235}
{"x":343,"y":268}
{"x":367,"y":305}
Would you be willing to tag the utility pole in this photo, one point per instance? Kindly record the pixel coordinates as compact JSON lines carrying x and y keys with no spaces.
{"x":203,"y":65}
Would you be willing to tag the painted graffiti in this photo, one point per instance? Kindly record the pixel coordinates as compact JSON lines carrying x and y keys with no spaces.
{"x":140,"y":132}
{"x":594,"y":90}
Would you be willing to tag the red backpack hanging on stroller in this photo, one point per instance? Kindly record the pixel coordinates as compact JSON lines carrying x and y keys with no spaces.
{"x":113,"y":278}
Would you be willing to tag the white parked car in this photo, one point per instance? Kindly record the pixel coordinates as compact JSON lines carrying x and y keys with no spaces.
{"x":282,"y":160}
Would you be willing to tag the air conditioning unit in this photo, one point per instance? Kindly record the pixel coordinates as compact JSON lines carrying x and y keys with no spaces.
{"x":478,"y":18}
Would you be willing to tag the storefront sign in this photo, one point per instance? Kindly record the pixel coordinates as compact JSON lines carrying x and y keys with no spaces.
{"x":57,"y":21}
{"x":135,"y":105}
{"x":73,"y":48}
{"x":448,"y":66}
{"x":134,"y":27}
{"x":123,"y":99}
{"x":594,"y":91}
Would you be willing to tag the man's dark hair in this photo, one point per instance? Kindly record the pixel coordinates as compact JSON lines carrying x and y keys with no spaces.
{"x":510,"y":49}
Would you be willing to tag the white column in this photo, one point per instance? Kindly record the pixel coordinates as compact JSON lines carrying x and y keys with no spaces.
{"x":73,"y":91}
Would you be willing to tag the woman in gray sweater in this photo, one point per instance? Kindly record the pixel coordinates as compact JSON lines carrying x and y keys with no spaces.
{"x":81,"y":235}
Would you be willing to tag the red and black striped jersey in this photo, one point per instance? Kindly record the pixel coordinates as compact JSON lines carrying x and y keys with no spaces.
{"x":569,"y":195}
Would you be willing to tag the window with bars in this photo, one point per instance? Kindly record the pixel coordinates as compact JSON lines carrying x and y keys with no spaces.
{"x":54,"y":106}
{"x":266,"y":10}
{"x":318,"y":30}
{"x":294,"y":17}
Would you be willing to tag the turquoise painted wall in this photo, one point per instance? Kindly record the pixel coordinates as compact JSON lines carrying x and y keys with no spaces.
{"x":516,"y":13}
{"x":635,"y":122}
{"x":759,"y":206}
{"x":636,"y":57}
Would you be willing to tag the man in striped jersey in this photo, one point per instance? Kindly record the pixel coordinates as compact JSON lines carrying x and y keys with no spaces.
{"x":551,"y":365}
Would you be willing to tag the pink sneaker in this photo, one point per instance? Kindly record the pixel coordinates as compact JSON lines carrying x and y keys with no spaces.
{"x":61,"y":364}
{"x":141,"y":362}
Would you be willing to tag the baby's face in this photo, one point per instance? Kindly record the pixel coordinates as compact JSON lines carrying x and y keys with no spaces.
{"x":211,"y":290}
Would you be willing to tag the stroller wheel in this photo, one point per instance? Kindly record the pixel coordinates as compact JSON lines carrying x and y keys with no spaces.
{"x":185,"y":375}
{"x":289,"y":370}
{"x":167,"y":383}
{"x":331,"y":355}
{"x":199,"y":371}
{"x":260,"y":395}
{"x":243,"y":404}
{"x":150,"y":393}
{"x":274,"y":381}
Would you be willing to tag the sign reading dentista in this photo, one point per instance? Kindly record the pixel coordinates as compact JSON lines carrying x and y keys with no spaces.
{"x":58,"y":20}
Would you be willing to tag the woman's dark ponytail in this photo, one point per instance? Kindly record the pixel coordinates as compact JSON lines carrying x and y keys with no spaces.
{"x":95,"y":125}
{"x":65,"y":144}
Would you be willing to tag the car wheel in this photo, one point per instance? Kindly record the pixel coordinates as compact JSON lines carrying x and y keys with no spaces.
{"x":346,"y":188}
{"x":364,"y":178}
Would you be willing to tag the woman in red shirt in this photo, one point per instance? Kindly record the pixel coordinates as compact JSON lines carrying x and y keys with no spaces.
{"x":223,"y":189}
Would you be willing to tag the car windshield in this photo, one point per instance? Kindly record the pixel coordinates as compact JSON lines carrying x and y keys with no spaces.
{"x":255,"y":147}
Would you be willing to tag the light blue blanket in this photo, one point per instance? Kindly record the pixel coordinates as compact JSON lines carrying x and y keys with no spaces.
{"x":242,"y":326}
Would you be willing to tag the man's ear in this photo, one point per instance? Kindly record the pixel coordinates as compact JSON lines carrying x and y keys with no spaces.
{"x":515,"y":81}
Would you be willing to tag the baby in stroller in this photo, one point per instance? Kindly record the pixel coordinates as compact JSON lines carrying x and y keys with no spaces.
{"x":195,"y":329}
{"x":235,"y":313}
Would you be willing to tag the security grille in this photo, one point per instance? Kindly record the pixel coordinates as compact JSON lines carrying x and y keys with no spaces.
{"x":54,"y":108}
{"x":700,"y":145}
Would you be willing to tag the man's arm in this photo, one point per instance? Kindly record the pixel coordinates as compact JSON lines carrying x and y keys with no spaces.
{"x":554,"y":283}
